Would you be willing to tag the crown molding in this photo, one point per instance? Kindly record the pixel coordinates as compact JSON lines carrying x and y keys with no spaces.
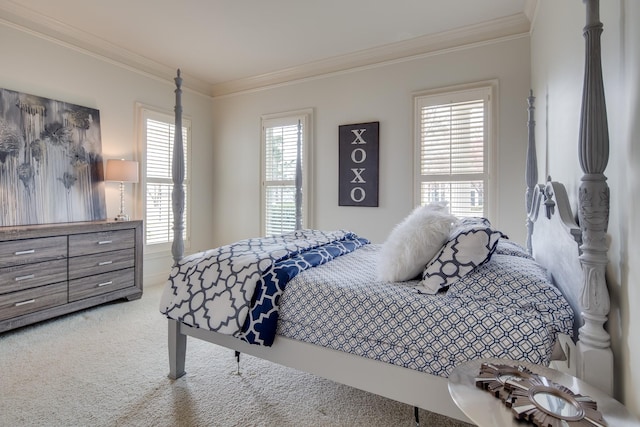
{"x":531,"y":11}
{"x":515,"y":25}
{"x":31,"y":22}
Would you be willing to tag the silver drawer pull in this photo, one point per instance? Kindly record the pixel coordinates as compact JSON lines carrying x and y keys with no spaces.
{"x":18,"y":304}
{"x":30,"y":251}
{"x":105,"y":263}
{"x":105,"y":242}
{"x":27,"y":277}
{"x":110,"y":282}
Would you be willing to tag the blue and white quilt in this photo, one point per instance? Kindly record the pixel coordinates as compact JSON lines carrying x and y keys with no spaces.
{"x":236,"y":289}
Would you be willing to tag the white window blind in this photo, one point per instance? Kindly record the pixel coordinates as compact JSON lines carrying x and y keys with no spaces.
{"x":159,"y":137}
{"x":453,"y":151}
{"x":285,"y":173}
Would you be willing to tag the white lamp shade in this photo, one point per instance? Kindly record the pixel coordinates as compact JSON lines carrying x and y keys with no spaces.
{"x":122,"y":170}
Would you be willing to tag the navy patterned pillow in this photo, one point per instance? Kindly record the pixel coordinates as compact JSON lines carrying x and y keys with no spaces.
{"x":468,"y":247}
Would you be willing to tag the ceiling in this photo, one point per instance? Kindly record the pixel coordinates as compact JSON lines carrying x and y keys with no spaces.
{"x":225,"y":46}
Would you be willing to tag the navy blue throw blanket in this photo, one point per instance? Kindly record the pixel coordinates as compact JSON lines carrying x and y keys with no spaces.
{"x":261,"y":323}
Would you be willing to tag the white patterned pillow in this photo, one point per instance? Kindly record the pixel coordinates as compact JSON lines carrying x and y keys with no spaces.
{"x":468,"y":247}
{"x":469,"y":221}
{"x":413,"y":242}
{"x":507,"y":247}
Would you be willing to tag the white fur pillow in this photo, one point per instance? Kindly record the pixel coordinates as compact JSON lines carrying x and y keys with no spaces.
{"x":414,"y":242}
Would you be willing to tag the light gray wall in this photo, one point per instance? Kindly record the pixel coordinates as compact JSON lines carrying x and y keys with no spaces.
{"x":383,"y":94}
{"x":38,"y":66}
{"x":557,"y":52}
{"x":226,"y":188}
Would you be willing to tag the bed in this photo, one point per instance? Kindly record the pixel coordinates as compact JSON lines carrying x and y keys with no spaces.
{"x":413,"y":339}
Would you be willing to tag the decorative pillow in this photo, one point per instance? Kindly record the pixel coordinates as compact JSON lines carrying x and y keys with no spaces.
{"x":507,"y":247}
{"x":413,"y":242}
{"x":471,"y":221}
{"x":467,"y":248}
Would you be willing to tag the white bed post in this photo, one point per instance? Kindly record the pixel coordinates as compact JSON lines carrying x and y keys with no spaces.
{"x":177,"y":173}
{"x":595,"y":364}
{"x":531,"y":168}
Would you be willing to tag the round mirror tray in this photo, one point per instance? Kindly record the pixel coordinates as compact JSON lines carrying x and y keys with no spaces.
{"x":536,"y":399}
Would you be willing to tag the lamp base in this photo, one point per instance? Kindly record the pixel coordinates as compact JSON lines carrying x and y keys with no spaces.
{"x":122,"y":216}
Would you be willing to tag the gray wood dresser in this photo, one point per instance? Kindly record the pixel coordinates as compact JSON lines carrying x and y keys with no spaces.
{"x":54,"y":269}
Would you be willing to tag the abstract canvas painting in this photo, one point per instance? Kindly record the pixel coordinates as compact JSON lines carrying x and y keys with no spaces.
{"x":50,"y":161}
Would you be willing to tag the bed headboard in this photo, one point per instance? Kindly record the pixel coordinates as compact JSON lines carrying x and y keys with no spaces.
{"x":576,"y":255}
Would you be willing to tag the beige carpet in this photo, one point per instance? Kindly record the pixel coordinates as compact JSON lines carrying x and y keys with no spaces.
{"x":107,"y":366}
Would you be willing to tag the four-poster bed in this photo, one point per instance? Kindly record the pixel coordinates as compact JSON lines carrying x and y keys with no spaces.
{"x":575,"y":258}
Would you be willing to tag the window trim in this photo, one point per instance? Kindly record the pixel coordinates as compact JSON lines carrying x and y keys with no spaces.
{"x":276,"y":119}
{"x":452,"y":94}
{"x":144,"y":111}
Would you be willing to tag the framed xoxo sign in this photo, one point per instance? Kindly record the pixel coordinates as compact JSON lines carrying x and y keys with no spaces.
{"x":358,"y":156}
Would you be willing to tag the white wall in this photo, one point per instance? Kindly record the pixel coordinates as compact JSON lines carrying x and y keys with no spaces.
{"x":38,"y":66}
{"x":381,"y":94}
{"x":557,"y":51}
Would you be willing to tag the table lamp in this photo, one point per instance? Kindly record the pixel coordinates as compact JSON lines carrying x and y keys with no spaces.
{"x":122,"y":171}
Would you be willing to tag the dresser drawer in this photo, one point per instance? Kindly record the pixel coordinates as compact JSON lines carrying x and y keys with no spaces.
{"x":24,"y":302}
{"x":28,"y":276}
{"x":92,"y":243}
{"x":26,"y":251}
{"x":101,"y":284}
{"x":100,"y":263}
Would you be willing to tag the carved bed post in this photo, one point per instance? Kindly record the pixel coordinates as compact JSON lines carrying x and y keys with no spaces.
{"x":177,"y":341}
{"x":593,"y":213}
{"x":177,"y":173}
{"x":531,"y":168}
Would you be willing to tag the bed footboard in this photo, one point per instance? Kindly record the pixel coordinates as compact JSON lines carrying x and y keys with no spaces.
{"x":177,"y":350}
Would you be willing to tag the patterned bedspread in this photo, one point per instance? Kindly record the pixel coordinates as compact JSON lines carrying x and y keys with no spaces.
{"x":505,"y":308}
{"x":235,"y":289}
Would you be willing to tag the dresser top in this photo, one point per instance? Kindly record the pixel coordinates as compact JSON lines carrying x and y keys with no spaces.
{"x":44,"y":230}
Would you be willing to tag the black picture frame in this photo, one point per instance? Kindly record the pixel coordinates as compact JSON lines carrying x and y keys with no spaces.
{"x":358,"y":168}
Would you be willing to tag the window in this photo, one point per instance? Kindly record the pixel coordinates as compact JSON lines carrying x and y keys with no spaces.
{"x":286,"y":173}
{"x":157,"y":140}
{"x":453,"y":150}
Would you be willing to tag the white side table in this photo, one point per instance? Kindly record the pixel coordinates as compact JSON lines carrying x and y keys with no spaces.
{"x":488,"y":411}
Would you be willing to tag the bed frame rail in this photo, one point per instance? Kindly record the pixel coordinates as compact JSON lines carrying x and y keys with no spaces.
{"x":412,"y":387}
